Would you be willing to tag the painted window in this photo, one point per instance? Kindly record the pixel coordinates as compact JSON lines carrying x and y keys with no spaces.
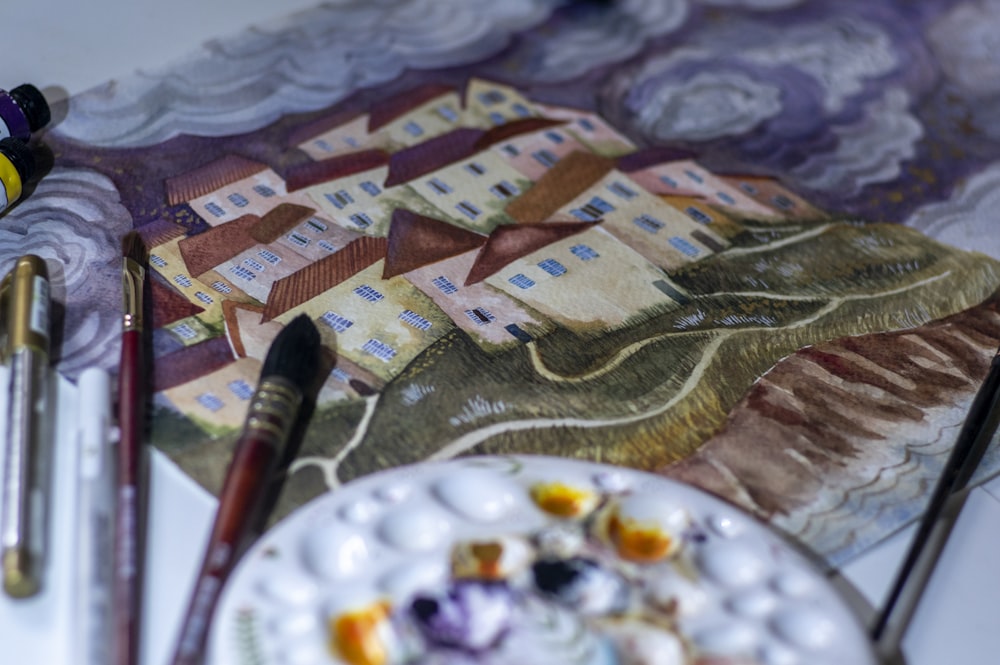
{"x":444,"y":285}
{"x":586,"y":124}
{"x":370,"y":188}
{"x":468,"y":209}
{"x":698,"y":215}
{"x":447,"y":113}
{"x":554,"y":136}
{"x":336,"y":321}
{"x":522,"y":281}
{"x":264,"y":190}
{"x":298,"y":239}
{"x":184,"y":331}
{"x":684,"y":246}
{"x":380,"y":350}
{"x":222,"y":287}
{"x":215,"y":209}
{"x":475,"y":168}
{"x":668,"y":181}
{"x":183,"y":281}
{"x":545,"y":157}
{"x":504,"y":190}
{"x":783,"y":202}
{"x":269,"y":256}
{"x":748,"y":188}
{"x":521,"y":110}
{"x":361,"y":220}
{"x":326,"y":245}
{"x":340,"y":375}
{"x":315,"y":225}
{"x":694,"y":176}
{"x":552,"y":267}
{"x":242,"y":273}
{"x":204,"y":297}
{"x":253,"y":265}
{"x":339,"y":199}
{"x":621,"y":189}
{"x":323,"y":145}
{"x":491,"y":97}
{"x":411,"y":318}
{"x":480,"y":316}
{"x":497,"y":118}
{"x":351,"y":141}
{"x":368,"y":293}
{"x":210,"y":401}
{"x":584,"y":252}
{"x":726,"y":198}
{"x":238,"y":199}
{"x":593,"y":210}
{"x":648,"y":223}
{"x":439,"y":186}
{"x":157,"y":261}
{"x":511,"y":150}
{"x":413,"y":129}
{"x":241,"y":389}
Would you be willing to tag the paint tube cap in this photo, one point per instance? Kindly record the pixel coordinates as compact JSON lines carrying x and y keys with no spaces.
{"x":33,"y":104}
{"x":20,"y":155}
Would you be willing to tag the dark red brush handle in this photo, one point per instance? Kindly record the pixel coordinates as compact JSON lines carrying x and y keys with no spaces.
{"x":128,"y":515}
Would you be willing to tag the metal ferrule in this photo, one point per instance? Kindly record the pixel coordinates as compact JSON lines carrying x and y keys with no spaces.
{"x":273,"y":410}
{"x":28,"y":305}
{"x":133,"y":274}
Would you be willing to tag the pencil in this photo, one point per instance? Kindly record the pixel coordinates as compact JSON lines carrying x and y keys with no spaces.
{"x":290,"y":368}
{"x":942,"y":509}
{"x":129,"y":520}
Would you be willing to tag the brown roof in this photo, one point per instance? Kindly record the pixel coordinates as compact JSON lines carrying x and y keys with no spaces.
{"x":278,"y":221}
{"x":322,"y":275}
{"x":643,"y":159}
{"x":169,"y":305}
{"x":190,"y":363}
{"x":211,"y":248}
{"x":160,"y":232}
{"x":401,"y":104}
{"x":416,"y":241}
{"x":431,"y":155}
{"x":570,"y":176}
{"x":321,"y":125}
{"x":314,"y":173}
{"x":512,"y":241}
{"x":509,"y":130}
{"x":210,"y":177}
{"x":229,"y":311}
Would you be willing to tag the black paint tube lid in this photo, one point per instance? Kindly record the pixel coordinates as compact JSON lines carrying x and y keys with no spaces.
{"x":32,"y":102}
{"x":20,"y":155}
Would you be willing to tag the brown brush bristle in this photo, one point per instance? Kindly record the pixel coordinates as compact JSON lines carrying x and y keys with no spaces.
{"x":134,"y":248}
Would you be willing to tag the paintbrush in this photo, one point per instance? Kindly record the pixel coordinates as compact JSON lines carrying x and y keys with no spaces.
{"x":289,"y":372}
{"x":942,"y":511}
{"x":131,"y":470}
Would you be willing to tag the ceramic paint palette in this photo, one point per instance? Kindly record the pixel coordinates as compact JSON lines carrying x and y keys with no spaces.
{"x":526,"y":560}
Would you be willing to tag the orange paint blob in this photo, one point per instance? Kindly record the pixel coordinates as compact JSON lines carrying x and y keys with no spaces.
{"x":563,"y":500}
{"x":358,"y":636}
{"x":637,"y":542}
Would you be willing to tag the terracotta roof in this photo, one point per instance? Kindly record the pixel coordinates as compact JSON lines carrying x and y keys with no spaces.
{"x":322,"y":275}
{"x":321,"y":125}
{"x":401,"y":104}
{"x":570,"y":176}
{"x":210,"y":248}
{"x":643,"y":159}
{"x":210,"y":177}
{"x":190,"y":363}
{"x":512,"y":241}
{"x":278,"y":221}
{"x":325,"y":170}
{"x":170,"y":306}
{"x":509,"y":130}
{"x":431,"y":155}
{"x":416,"y":241}
{"x":160,"y":232}
{"x":229,"y":311}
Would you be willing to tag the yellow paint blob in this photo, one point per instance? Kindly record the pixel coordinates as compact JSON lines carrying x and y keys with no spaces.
{"x":563,"y":500}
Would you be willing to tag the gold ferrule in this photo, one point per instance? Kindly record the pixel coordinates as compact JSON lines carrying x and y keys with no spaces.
{"x":5,"y":283}
{"x":273,"y":409}
{"x":28,"y":306}
{"x":133,"y":275}
{"x":19,"y":580}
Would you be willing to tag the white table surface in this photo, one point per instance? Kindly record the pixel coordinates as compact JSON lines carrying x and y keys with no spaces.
{"x":67,"y":47}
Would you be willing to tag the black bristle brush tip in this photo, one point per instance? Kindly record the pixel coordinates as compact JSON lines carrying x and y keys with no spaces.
{"x":134,"y":248}
{"x":295,"y":354}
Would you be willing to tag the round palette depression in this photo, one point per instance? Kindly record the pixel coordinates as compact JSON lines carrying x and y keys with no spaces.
{"x":528,"y":560}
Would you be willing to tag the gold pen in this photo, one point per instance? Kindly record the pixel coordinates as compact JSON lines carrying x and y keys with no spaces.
{"x":23,"y":521}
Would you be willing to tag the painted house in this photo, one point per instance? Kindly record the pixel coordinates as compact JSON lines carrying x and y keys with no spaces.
{"x":464,"y":181}
{"x":574,"y":273}
{"x":534,"y":145}
{"x":590,"y":129}
{"x":670,"y":172}
{"x":588,"y":188}
{"x":220,"y":398}
{"x":779,"y":199}
{"x":227,"y":188}
{"x":381,"y":324}
{"x":436,"y":257}
{"x":488,"y":104}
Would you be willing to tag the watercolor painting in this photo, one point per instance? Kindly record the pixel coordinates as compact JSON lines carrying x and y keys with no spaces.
{"x":745,"y":244}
